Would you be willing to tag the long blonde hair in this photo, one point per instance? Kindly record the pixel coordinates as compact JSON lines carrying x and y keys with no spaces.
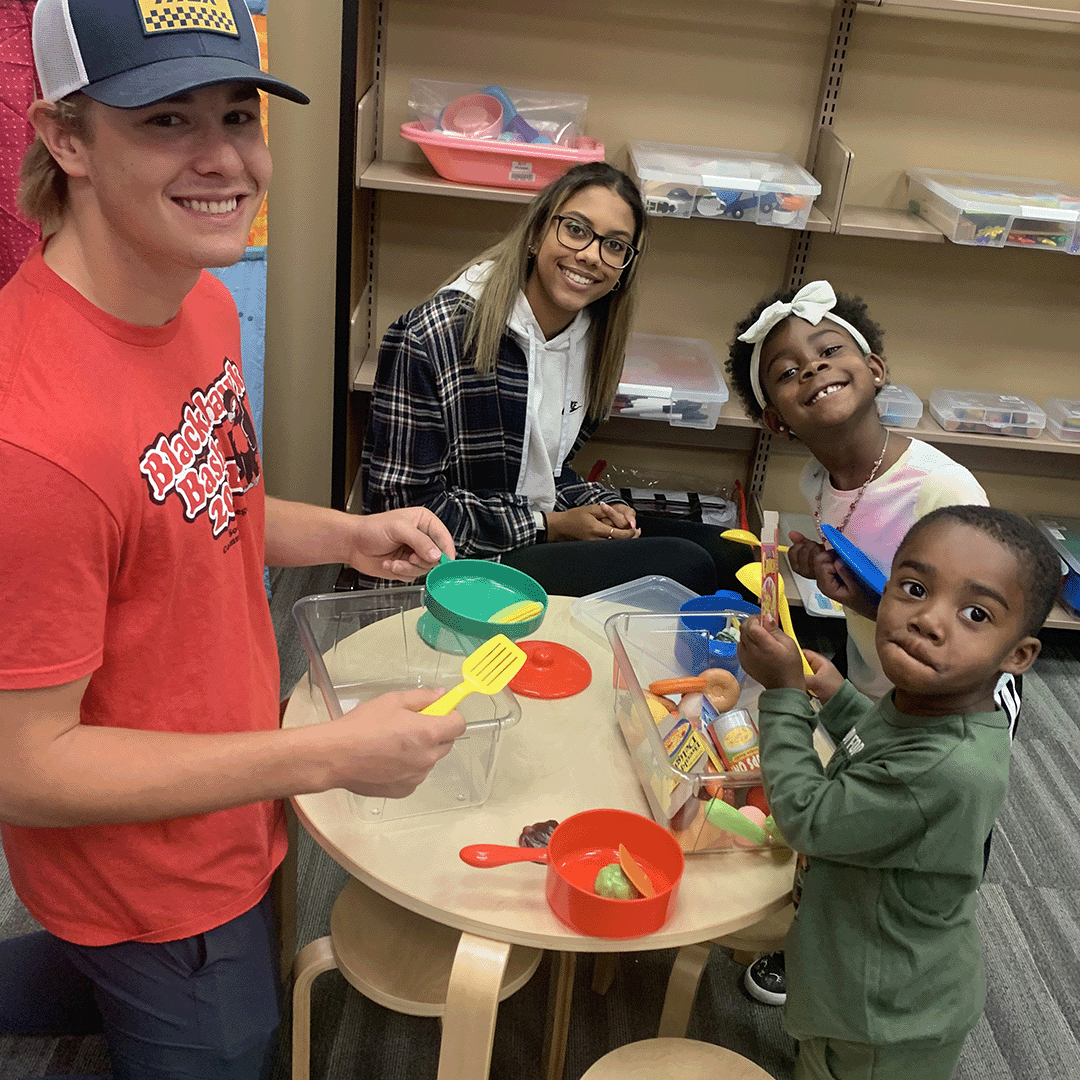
{"x":43,"y":185}
{"x":511,"y":265}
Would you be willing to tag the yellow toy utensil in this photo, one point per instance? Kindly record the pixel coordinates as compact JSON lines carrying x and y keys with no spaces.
{"x":741,"y":536}
{"x":520,"y":611}
{"x":487,"y":670}
{"x":749,"y":577}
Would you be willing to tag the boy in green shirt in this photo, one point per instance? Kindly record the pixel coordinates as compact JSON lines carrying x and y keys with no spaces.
{"x":884,"y":961}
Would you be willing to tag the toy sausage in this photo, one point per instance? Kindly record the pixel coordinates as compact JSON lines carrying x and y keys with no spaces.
{"x":721,"y":686}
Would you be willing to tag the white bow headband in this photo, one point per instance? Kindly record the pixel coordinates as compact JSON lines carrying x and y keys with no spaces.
{"x":813,"y":302}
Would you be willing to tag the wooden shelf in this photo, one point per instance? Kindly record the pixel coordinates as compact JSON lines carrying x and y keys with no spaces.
{"x":732,"y":415}
{"x":930,"y":431}
{"x":420,"y":179}
{"x":364,"y":380}
{"x":984,"y":7}
{"x":887,"y":224}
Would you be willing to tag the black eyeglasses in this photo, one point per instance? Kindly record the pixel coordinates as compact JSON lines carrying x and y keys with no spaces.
{"x":577,"y":236}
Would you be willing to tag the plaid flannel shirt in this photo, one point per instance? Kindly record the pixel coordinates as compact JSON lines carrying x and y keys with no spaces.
{"x":443,"y":436}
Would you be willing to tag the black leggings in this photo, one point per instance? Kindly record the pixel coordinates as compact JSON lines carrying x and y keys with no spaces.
{"x":691,"y":553}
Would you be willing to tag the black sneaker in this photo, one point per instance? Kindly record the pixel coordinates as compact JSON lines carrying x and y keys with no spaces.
{"x":765,"y":979}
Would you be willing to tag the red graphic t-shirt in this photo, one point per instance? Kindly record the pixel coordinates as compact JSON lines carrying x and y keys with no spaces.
{"x":132,"y":528}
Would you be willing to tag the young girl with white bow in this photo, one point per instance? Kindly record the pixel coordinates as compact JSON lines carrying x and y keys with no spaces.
{"x":808,"y":365}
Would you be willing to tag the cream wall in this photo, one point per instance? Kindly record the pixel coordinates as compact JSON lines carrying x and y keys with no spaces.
{"x":305,"y":49}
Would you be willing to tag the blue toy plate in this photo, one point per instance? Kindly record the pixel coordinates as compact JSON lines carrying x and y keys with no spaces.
{"x":868,"y":575}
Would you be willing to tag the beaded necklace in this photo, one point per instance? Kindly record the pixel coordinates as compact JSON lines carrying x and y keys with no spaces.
{"x":858,"y":495}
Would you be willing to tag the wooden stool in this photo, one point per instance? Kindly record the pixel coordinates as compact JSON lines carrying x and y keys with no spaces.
{"x":762,"y":937}
{"x":392,"y":956}
{"x":662,"y":1059}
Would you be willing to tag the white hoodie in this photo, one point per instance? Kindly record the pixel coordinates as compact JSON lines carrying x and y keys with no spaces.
{"x":556,"y":404}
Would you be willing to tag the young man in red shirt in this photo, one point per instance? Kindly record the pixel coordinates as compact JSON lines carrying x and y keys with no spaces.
{"x":143,"y":769}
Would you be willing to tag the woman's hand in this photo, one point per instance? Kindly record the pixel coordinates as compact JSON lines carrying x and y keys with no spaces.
{"x":599,"y":521}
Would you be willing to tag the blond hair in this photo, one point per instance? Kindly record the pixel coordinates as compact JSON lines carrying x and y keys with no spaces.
{"x":512,"y":263}
{"x":43,"y":184}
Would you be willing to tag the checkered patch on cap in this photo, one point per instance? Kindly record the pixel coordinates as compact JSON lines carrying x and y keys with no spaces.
{"x":166,"y":16}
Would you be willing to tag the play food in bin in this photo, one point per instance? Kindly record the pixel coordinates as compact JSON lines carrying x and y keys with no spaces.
{"x":580,"y":847}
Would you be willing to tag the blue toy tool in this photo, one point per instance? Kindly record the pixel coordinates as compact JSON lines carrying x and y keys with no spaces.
{"x":511,"y":120}
{"x":867,"y":574}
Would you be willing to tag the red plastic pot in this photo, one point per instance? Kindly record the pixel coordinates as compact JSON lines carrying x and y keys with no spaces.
{"x":580,"y":846}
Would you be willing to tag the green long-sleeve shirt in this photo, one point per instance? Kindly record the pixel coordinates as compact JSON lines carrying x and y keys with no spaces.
{"x":884,"y":948}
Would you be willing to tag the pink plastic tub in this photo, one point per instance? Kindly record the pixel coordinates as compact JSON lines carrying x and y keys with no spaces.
{"x":499,"y":164}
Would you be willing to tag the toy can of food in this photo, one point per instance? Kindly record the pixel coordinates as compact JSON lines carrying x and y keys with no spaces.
{"x":734,"y":735}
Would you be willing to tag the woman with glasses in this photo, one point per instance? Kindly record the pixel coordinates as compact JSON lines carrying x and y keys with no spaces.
{"x":488,"y":389}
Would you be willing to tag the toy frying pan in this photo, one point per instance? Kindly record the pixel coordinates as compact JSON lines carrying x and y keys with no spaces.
{"x":867,"y":574}
{"x":579,"y":847}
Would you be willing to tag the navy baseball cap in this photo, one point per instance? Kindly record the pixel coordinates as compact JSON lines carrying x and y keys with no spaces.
{"x":130,"y":53}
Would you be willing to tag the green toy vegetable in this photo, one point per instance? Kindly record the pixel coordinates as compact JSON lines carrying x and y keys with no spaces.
{"x":613,"y":883}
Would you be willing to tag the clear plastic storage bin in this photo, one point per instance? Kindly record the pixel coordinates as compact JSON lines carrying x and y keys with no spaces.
{"x":698,"y":181}
{"x":673,"y":379}
{"x":1064,"y":534}
{"x":681,"y":799}
{"x":988,"y":413}
{"x":1063,"y":419}
{"x":996,"y":211}
{"x":899,"y":406}
{"x":654,"y":593}
{"x":362,"y":644}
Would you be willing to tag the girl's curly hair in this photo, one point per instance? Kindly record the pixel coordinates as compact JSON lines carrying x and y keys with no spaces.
{"x":851,"y":308}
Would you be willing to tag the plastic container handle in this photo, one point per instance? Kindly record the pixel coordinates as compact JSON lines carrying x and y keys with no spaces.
{"x":485,"y":855}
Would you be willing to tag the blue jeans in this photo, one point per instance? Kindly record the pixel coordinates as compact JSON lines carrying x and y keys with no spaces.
{"x":205,"y":1007}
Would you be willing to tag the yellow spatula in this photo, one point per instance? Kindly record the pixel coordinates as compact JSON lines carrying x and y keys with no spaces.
{"x":741,"y":536}
{"x":520,"y":611}
{"x":486,"y":670}
{"x":750,"y":578}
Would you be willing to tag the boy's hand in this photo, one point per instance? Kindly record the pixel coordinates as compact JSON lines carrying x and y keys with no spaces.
{"x":834,"y":579}
{"x":769,"y":655}
{"x":826,"y":679}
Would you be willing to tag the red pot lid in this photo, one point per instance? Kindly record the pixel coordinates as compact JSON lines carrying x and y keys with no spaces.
{"x":551,"y":671}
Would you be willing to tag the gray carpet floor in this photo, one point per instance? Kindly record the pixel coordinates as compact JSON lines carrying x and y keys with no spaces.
{"x":1029,"y":917}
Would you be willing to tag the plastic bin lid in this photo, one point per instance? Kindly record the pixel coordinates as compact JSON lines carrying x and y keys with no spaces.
{"x":1064,"y":534}
{"x":672,"y":368}
{"x":1045,"y":200}
{"x":711,"y":167}
{"x":978,"y":403}
{"x":652,"y":593}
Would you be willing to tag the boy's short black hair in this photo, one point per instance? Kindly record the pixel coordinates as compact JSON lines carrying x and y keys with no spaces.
{"x":1040,"y":567}
{"x":850,"y":308}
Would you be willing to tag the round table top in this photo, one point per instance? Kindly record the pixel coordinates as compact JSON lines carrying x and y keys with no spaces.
{"x":563,"y":756}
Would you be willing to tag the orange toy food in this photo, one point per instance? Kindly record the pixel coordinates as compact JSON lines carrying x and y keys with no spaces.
{"x":718,"y":683}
